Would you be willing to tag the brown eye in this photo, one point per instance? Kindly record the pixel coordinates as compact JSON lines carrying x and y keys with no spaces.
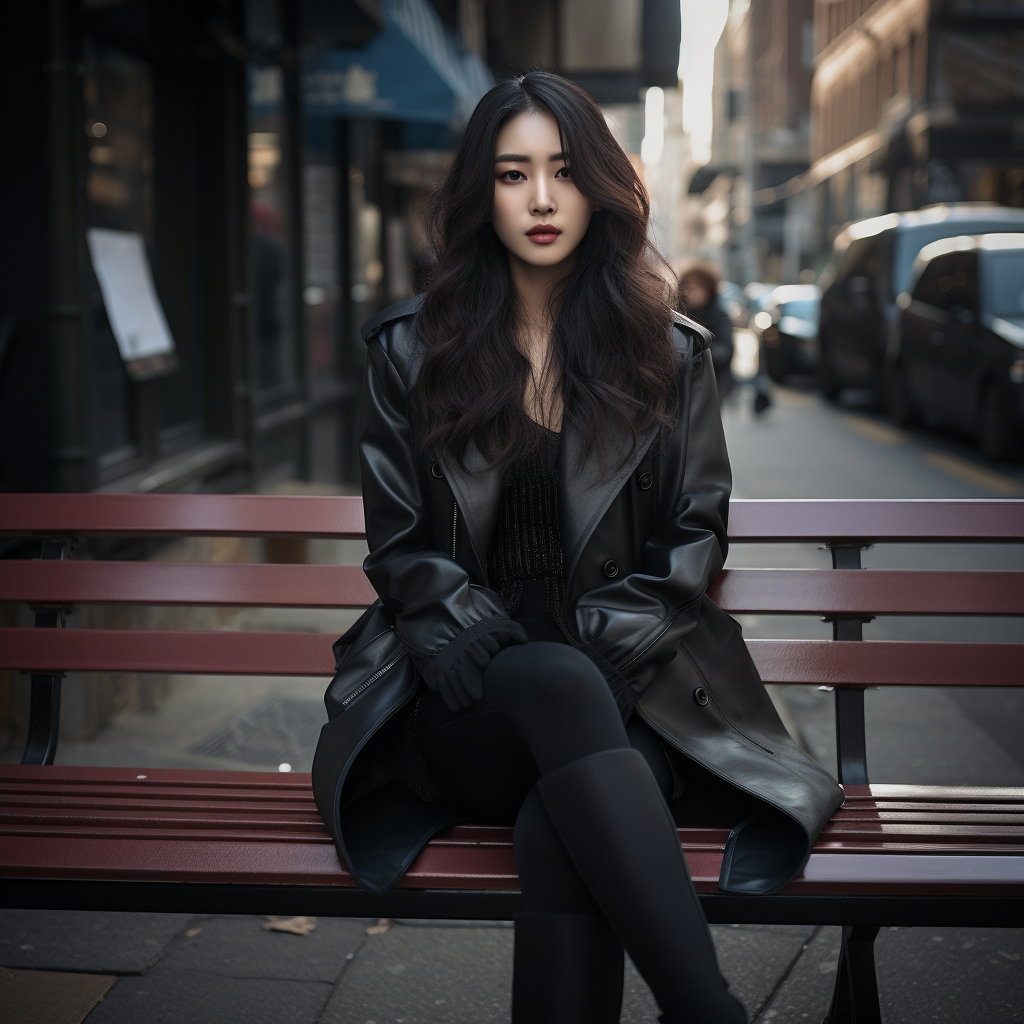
{"x":509,"y":175}
{"x":563,"y":172}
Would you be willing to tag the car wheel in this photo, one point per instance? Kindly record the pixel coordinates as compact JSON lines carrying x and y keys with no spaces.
{"x":996,"y":435}
{"x":827,"y":382}
{"x":897,"y":396}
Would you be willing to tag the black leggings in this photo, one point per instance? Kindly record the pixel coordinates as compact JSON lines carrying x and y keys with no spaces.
{"x":544,"y":706}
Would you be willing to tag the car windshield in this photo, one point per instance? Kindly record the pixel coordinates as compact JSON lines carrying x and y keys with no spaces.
{"x":911,"y":241}
{"x":1004,"y":284}
{"x":804,"y":309}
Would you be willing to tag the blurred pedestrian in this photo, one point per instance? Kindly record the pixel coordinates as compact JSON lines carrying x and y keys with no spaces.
{"x":698,"y":295}
{"x":546,"y":488}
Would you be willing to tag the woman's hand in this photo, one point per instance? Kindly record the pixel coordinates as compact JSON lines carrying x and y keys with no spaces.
{"x":457,"y":671}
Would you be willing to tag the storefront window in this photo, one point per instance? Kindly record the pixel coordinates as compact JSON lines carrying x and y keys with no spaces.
{"x":322,"y":293}
{"x":119,"y":189}
{"x":275,"y":361}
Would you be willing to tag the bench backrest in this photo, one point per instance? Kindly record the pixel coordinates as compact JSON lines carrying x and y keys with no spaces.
{"x":845,"y":594}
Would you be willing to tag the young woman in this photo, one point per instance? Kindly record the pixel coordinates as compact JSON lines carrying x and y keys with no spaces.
{"x":546,"y":489}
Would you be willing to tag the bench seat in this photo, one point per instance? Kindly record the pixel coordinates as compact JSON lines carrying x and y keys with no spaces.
{"x":185,"y":830}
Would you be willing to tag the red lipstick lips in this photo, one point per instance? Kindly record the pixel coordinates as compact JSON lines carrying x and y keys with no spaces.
{"x":543,"y":234}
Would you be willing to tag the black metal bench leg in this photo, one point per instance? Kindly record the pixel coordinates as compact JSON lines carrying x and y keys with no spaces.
{"x":44,"y":704}
{"x":43,"y":720}
{"x":855,"y":999}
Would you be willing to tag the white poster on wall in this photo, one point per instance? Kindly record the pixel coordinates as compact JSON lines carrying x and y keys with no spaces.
{"x":133,"y":307}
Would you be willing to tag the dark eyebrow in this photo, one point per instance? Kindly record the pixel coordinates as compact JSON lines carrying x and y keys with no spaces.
{"x":519,"y":158}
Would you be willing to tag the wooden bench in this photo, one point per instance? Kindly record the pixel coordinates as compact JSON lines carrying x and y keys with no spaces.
{"x":234,"y":842}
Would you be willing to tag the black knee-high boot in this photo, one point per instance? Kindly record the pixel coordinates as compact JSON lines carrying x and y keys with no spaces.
{"x":567,"y":969}
{"x":617,"y":828}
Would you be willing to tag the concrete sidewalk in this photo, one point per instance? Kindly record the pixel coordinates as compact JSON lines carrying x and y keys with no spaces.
{"x":112,"y":968}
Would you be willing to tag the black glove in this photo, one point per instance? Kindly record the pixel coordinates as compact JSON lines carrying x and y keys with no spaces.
{"x":456,"y":672}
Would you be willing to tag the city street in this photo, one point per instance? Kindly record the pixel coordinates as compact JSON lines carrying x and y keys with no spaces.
{"x":208,"y":204}
{"x":178,"y":968}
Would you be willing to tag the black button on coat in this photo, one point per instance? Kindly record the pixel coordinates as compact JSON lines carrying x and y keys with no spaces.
{"x":648,"y":622}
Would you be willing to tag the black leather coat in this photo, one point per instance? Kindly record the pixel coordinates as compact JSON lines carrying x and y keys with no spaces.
{"x":641,"y":543}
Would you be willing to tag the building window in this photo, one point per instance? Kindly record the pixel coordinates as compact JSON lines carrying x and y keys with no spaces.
{"x":275,"y":362}
{"x":981,"y":68}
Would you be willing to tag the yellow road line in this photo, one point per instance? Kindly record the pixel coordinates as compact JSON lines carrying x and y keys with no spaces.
{"x":954,"y":466}
{"x":874,"y":431}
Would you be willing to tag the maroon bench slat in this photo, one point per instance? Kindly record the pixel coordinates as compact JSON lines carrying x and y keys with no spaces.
{"x":182,"y":515}
{"x":909,"y":811}
{"x":869,"y":592}
{"x":247,"y":515}
{"x":208,"y":652}
{"x":879,"y":793}
{"x":887,"y":663}
{"x":184,"y":583}
{"x":39,"y":800}
{"x":466,"y":868}
{"x":216,"y":652}
{"x":968,"y":520}
{"x":771,"y":591}
{"x":909,"y":837}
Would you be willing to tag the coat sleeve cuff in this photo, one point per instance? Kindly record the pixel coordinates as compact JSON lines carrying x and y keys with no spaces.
{"x":507,"y":631}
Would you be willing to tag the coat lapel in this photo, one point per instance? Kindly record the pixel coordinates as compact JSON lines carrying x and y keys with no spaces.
{"x":587,"y":487}
{"x":478,"y":492}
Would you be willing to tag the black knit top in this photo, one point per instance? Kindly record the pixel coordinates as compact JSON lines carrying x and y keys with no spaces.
{"x":528,"y":543}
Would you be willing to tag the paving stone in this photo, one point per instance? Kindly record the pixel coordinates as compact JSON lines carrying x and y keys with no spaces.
{"x":638,"y":1005}
{"x":427,"y":973}
{"x":98,"y":942}
{"x":966,"y":975}
{"x":239,"y":947}
{"x":49,"y":997}
{"x":805,"y":994}
{"x":754,"y":957}
{"x":193,"y":997}
{"x":469,"y":968}
{"x":436,"y":973}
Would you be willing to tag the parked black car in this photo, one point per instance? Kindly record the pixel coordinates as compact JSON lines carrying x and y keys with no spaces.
{"x":873,"y":262}
{"x":788,"y":328}
{"x":960,"y":345}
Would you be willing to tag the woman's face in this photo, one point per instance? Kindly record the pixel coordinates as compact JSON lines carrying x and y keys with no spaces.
{"x":538,"y":213}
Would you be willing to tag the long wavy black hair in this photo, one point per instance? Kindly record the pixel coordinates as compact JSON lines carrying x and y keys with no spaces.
{"x":612,"y":346}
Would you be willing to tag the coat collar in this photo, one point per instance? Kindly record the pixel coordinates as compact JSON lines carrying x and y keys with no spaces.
{"x":586,"y":489}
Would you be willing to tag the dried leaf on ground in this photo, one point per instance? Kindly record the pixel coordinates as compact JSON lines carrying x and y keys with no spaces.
{"x":383,"y":925}
{"x":292,"y":925}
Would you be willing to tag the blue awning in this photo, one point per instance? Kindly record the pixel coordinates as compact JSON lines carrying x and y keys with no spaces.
{"x":414,"y":70}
